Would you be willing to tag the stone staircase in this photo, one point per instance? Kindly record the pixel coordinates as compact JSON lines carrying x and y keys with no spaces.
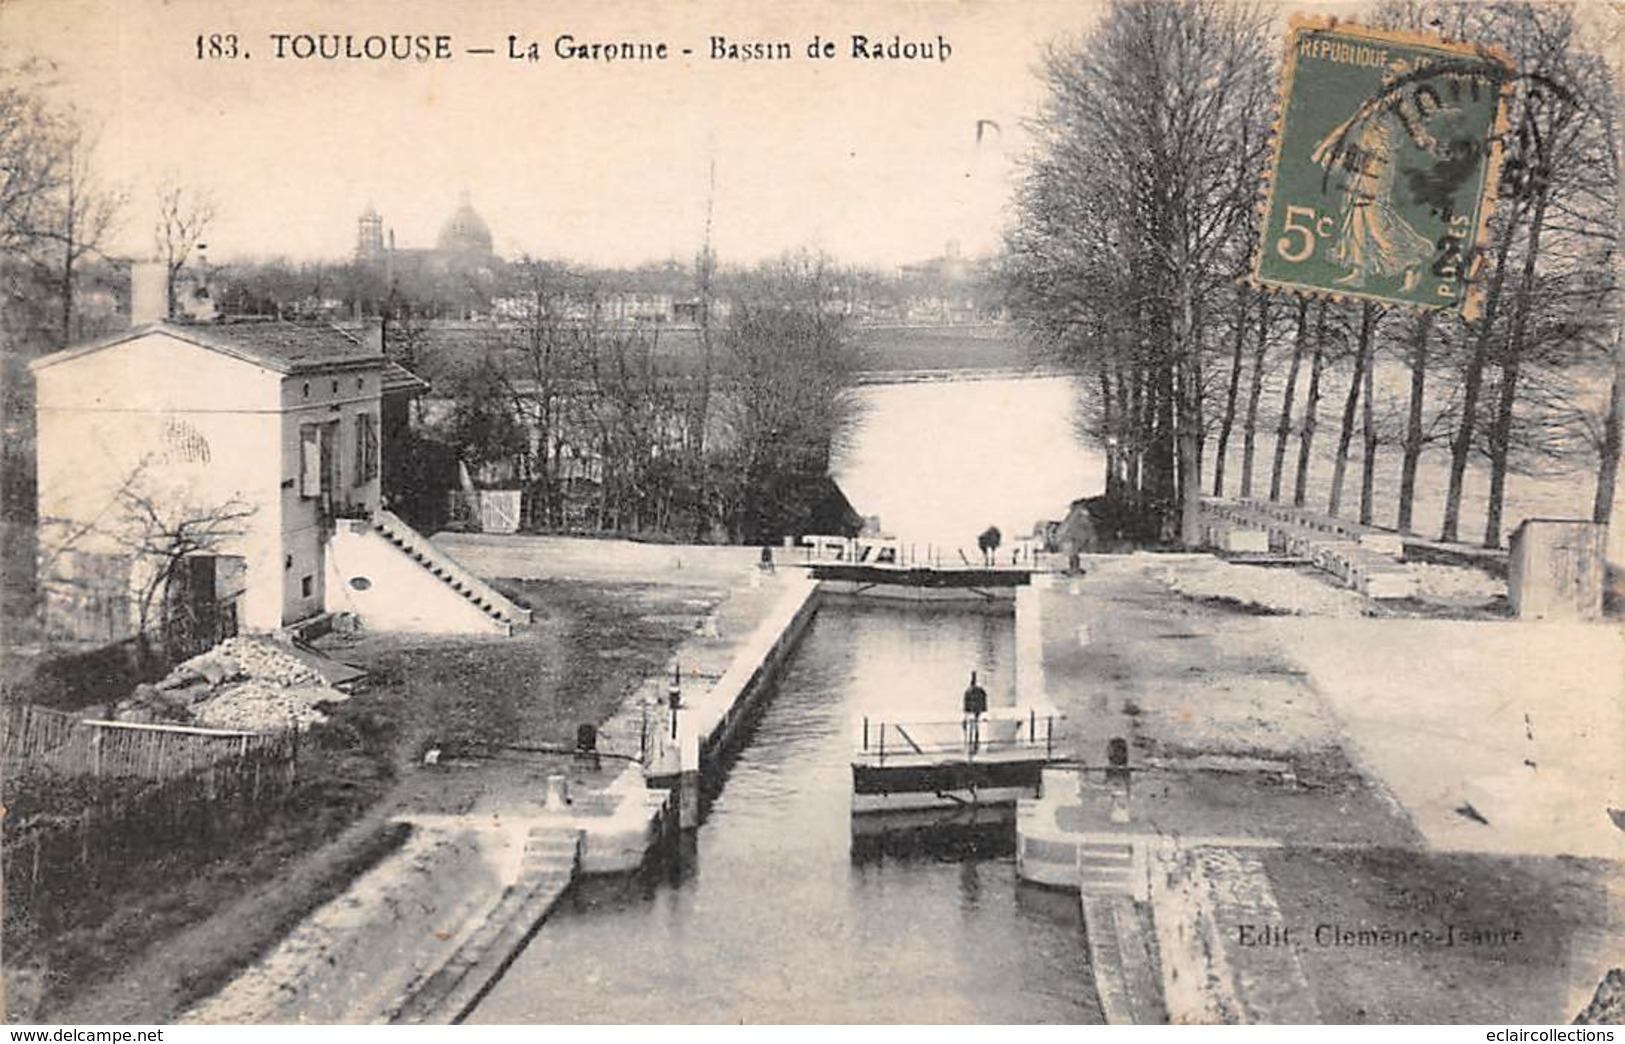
{"x":1122,"y":955}
{"x":1109,"y":866}
{"x":421,"y":550}
{"x":447,"y":994}
{"x":1367,"y":559}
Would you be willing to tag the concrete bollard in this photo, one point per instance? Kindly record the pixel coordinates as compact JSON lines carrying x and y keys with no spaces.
{"x":557,"y":797}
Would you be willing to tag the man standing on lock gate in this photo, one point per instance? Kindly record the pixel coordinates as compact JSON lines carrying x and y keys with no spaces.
{"x":975,"y":707}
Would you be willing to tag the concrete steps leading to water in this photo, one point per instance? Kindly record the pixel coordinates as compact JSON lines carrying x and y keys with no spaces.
{"x":1106,"y":867}
{"x":448,"y":993}
{"x":1123,"y":957}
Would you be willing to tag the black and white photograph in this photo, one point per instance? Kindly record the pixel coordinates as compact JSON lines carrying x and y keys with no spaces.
{"x":845,"y":512}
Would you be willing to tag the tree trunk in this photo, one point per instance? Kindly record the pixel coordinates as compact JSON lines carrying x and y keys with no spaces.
{"x":1368,"y":429}
{"x":1512,"y":359}
{"x":1283,"y":430}
{"x":1461,"y":447}
{"x":1249,"y":429}
{"x":1414,"y":434}
{"x":1602,"y":507}
{"x":1351,"y":404}
{"x":1228,"y":419}
{"x":1108,"y":425}
{"x":1189,"y":446}
{"x":1311,"y":410}
{"x":68,"y":246}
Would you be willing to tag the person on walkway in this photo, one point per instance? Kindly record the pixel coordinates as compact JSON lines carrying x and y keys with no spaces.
{"x":975,"y":707}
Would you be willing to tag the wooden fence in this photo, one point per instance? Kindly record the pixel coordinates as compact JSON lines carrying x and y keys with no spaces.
{"x":94,"y":800}
{"x":38,"y":738}
{"x":52,"y":860}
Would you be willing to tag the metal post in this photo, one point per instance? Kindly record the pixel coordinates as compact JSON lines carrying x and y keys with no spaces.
{"x":866,"y":732}
{"x":1049,"y":736}
{"x":882,"y":743}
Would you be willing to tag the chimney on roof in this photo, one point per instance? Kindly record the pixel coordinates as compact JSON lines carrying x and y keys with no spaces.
{"x":149,"y":293}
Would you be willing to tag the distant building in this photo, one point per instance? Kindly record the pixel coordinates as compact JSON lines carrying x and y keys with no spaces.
{"x":462,"y":263}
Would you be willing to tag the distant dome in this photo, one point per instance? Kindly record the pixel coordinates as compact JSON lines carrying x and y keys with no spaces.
{"x":465,"y":232}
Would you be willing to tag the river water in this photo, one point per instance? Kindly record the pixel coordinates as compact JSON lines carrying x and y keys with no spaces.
{"x":939,"y":461}
{"x":775,"y":912}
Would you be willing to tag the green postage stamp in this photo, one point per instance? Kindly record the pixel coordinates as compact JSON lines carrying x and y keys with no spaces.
{"x":1385,"y":166}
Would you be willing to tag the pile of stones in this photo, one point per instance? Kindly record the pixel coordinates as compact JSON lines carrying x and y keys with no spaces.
{"x":242,"y":683}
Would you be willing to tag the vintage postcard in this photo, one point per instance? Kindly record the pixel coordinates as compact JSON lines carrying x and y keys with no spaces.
{"x":975,"y":512}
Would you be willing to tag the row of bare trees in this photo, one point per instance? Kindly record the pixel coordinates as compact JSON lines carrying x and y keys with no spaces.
{"x":1137,"y":218}
{"x":627,"y":428}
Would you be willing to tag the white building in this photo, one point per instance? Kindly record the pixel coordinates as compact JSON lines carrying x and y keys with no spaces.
{"x":252,"y":451}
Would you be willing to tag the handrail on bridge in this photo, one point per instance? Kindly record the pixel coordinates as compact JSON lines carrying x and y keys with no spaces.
{"x":1004,"y":730}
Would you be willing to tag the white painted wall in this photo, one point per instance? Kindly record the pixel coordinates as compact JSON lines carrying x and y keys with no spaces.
{"x":371,"y":577}
{"x":201,"y":428}
{"x":183,"y":426}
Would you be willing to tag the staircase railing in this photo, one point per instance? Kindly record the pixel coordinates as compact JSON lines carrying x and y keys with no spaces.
{"x":391,"y":525}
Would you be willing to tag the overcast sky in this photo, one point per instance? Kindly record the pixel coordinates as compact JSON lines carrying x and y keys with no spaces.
{"x":872,"y":161}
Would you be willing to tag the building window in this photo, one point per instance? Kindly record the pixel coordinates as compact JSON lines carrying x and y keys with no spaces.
{"x":366,"y":449}
{"x":307,"y":586}
{"x":307,"y":389}
{"x":335,"y":387}
{"x":310,"y":461}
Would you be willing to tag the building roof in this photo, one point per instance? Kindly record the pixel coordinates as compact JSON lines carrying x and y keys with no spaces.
{"x":398,"y":380}
{"x":272,"y":343}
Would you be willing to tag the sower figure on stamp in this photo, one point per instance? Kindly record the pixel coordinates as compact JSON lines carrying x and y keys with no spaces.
{"x":1374,"y":239}
{"x":975,"y":707}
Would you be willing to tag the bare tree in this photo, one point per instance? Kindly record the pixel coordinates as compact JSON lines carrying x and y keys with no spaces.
{"x":1255,"y":391}
{"x":31,"y":155}
{"x":1233,"y":389}
{"x":1415,"y":433}
{"x":184,"y":216}
{"x":1134,"y":213}
{"x":790,"y":369}
{"x":1610,"y":444}
{"x":87,"y":216}
{"x":1283,"y":429}
{"x":1370,"y":316}
{"x":160,"y":533}
{"x":1311,"y":410}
